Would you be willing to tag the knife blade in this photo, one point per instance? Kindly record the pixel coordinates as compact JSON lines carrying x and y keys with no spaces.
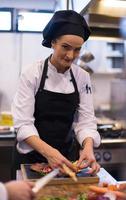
{"x":44,"y":180}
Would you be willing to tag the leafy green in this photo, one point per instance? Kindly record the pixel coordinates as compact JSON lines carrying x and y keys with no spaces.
{"x":82,"y":196}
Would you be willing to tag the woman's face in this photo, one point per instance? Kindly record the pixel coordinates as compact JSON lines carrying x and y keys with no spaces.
{"x":66,"y":49}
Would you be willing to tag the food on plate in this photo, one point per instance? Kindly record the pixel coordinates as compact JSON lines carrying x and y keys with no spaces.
{"x":78,"y":197}
{"x":118,"y":190}
{"x":81,"y":196}
{"x":89,"y":195}
{"x":88,"y":192}
{"x":103,"y":198}
{"x":42,"y":168}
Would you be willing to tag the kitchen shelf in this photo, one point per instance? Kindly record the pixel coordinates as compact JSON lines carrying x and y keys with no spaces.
{"x":116,"y":54}
{"x":109,"y":55}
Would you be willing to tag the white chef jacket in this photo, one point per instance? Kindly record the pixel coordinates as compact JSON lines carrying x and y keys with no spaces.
{"x":3,"y":192}
{"x":84,"y":123}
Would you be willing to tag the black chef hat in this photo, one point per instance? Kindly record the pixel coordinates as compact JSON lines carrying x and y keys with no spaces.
{"x":65,"y":22}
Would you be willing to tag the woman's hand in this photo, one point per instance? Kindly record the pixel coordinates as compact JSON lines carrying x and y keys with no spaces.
{"x":87,"y":158}
{"x":56,"y":159}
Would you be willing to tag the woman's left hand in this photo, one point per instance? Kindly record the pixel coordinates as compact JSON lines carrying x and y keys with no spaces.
{"x":87,"y":158}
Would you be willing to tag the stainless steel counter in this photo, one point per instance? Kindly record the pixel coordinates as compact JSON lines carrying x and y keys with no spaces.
{"x":114,"y":141}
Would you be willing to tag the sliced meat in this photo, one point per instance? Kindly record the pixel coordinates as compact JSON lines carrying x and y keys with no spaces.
{"x":41,"y":168}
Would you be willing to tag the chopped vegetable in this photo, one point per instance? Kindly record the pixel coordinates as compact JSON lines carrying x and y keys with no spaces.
{"x":103,"y":198}
{"x":82,"y":197}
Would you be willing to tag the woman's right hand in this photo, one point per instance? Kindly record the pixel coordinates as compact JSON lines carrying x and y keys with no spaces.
{"x":56,"y":159}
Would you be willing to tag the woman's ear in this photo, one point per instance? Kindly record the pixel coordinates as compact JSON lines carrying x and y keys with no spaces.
{"x":53,"y":43}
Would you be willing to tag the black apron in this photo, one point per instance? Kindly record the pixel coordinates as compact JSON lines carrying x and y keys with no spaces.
{"x":54,"y":115}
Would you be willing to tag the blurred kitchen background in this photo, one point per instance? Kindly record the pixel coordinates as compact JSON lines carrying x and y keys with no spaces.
{"x":103,"y":56}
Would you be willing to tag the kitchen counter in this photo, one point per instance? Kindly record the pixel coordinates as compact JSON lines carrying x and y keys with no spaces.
{"x":6,"y":150}
{"x":7,"y":140}
{"x":113,"y":141}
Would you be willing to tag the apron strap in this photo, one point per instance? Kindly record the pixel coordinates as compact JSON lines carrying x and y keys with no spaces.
{"x":44,"y":74}
{"x":73,"y":80}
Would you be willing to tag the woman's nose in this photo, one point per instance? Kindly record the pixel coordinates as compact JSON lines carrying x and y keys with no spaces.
{"x":70,"y":54}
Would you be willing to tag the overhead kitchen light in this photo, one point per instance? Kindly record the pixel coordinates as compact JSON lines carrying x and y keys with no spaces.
{"x":114,"y":3}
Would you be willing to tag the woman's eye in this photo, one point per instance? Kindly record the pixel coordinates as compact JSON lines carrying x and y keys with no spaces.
{"x":66,"y":47}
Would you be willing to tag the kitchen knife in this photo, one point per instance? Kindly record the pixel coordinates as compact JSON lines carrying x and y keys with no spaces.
{"x":44,"y":180}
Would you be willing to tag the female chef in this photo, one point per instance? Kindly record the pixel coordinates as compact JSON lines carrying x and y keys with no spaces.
{"x":55,"y":97}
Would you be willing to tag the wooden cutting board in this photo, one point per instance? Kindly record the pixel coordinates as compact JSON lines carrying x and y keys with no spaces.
{"x":28,"y":174}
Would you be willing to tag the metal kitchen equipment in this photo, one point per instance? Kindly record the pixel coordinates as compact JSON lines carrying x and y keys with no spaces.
{"x":112,"y":151}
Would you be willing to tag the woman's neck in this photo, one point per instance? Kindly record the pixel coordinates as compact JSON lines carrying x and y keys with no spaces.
{"x":59,"y":68}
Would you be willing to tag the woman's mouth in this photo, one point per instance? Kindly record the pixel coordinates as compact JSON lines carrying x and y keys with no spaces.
{"x":69,"y":61}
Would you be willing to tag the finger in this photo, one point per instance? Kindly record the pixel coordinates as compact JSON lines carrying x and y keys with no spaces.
{"x":33,"y":194}
{"x":98,"y":167}
{"x":81,"y":163}
{"x":86,"y":163}
{"x":71,"y":166}
{"x":55,"y":165}
{"x":95,"y":167}
{"x":91,"y":171}
{"x":31,"y":184}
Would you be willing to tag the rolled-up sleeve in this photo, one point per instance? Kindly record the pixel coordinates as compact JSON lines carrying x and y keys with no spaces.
{"x":85,"y":124}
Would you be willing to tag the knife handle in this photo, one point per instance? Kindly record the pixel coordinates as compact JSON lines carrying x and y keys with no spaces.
{"x":44,"y":180}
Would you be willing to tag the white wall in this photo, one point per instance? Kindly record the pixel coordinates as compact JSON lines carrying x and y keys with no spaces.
{"x":32,"y":49}
{"x":9,"y":67}
{"x":17,"y":51}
